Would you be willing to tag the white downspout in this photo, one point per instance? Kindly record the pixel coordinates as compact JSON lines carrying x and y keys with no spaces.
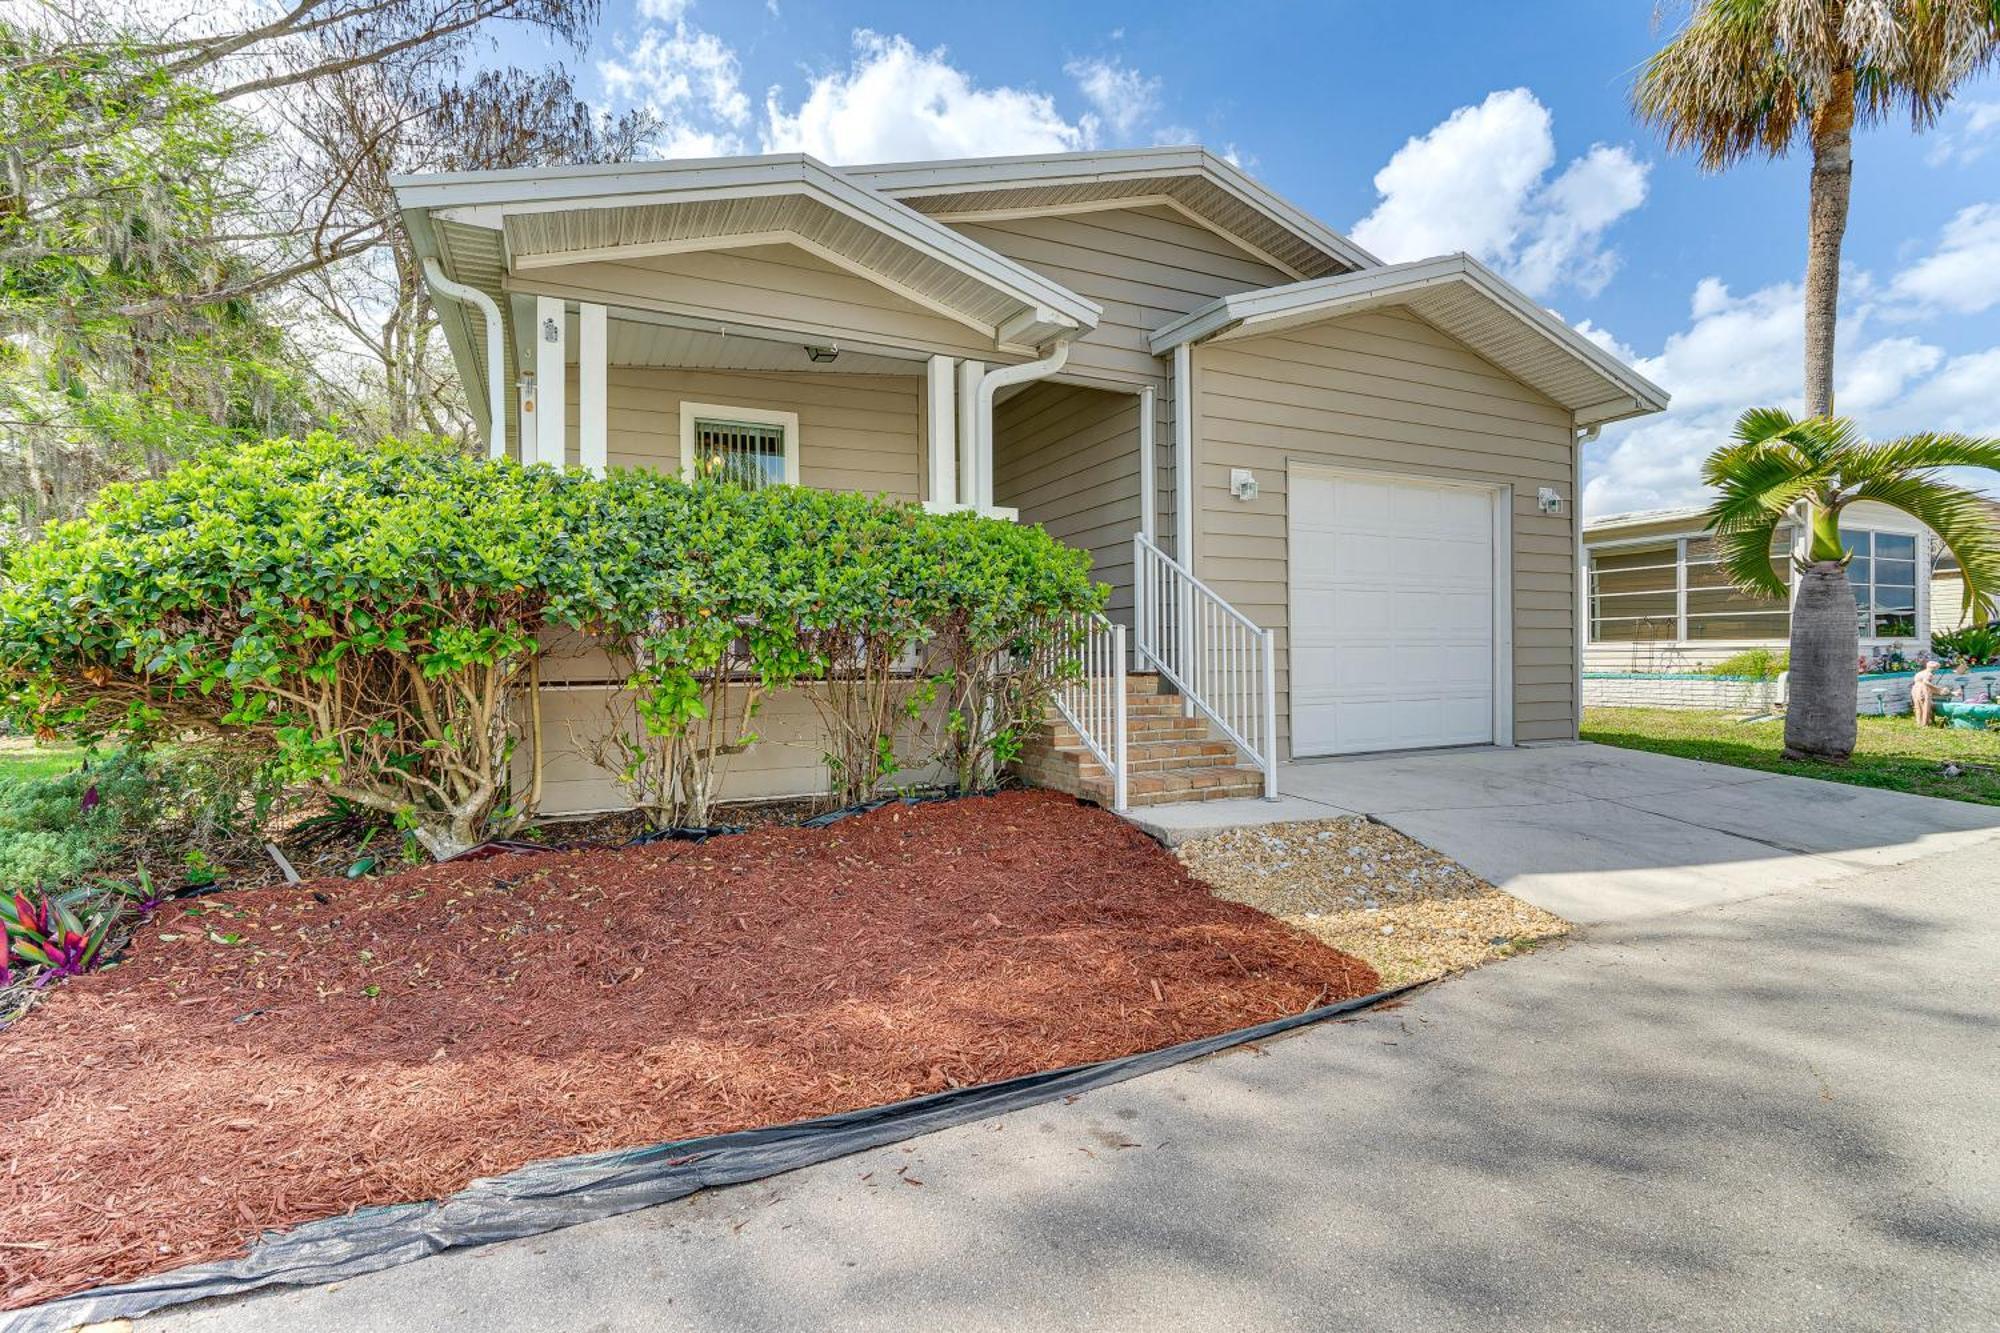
{"x":1582,"y":635}
{"x":989,"y":384}
{"x":1184,"y":508}
{"x":496,"y":353}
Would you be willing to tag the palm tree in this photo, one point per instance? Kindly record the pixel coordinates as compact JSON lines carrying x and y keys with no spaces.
{"x":1778,"y":465}
{"x":1749,"y":76}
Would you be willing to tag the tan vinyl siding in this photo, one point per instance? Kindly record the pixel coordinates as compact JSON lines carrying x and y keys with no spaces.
{"x":779,"y":286}
{"x":786,"y":760}
{"x":856,"y":432}
{"x":1068,"y":458}
{"x":1386,"y":391}
{"x":1145,"y":266}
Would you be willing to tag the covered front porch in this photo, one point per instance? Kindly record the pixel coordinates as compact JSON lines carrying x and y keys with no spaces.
{"x":766,"y":317}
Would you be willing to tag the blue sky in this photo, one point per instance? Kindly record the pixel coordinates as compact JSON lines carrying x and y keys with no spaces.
{"x":1500,"y":129}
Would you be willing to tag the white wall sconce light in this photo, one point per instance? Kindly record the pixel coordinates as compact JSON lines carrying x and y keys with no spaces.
{"x":1243,"y":483}
{"x":1549,"y":500}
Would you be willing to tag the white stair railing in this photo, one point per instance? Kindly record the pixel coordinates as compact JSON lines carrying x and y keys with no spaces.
{"x":1090,"y":693}
{"x":1220,"y":660}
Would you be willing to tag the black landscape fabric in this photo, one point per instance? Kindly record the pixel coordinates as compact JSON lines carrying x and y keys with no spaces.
{"x":564,"y":1191}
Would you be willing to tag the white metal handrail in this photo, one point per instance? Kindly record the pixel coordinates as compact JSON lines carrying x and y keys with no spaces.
{"x":1090,"y":694}
{"x":1220,"y":660}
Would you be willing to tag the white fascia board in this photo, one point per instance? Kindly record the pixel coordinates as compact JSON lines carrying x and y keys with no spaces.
{"x":485,"y":198}
{"x":1640,"y":518}
{"x":966,"y":175}
{"x":1326,"y":297}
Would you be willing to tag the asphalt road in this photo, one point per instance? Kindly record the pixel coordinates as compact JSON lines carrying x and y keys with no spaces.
{"x":1775,"y":1113}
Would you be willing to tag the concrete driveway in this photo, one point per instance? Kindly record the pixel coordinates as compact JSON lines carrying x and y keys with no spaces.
{"x":1767,"y":1114}
{"x":1598,"y":834}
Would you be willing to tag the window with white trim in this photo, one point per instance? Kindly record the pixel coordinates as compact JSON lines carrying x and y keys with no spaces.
{"x":752,"y":447}
{"x":1882,"y":566}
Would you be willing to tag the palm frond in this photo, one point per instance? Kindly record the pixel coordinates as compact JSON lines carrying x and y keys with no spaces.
{"x":1918,"y":453}
{"x":1744,"y":551}
{"x":1721,"y":88}
{"x":1962,"y":521}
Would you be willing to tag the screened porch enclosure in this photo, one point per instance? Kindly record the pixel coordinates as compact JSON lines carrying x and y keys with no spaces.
{"x":1677,"y":589}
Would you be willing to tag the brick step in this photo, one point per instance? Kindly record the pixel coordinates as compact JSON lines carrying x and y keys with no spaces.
{"x":1163,"y":719}
{"x":1215,"y":783}
{"x":1138,"y":731}
{"x":1154,"y":758}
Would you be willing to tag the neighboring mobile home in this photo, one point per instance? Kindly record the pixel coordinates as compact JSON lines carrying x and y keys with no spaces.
{"x":1659,"y":601}
{"x":1334,"y":499}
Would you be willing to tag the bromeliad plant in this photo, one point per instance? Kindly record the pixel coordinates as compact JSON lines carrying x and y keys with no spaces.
{"x":1778,"y":464}
{"x":47,"y":932}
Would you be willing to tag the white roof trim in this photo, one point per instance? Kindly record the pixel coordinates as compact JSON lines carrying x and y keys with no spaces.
{"x":961,"y":175}
{"x":1639,"y":518}
{"x":485,"y":198}
{"x":1323,"y":298}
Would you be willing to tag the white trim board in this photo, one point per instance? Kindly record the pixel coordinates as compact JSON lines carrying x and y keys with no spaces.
{"x":692,"y":412}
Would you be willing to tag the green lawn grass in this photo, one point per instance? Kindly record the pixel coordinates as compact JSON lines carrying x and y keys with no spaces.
{"x":24,"y":759}
{"x":1892,"y":752}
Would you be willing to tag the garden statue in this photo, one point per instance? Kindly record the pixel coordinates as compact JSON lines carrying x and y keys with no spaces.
{"x":1925,"y":690}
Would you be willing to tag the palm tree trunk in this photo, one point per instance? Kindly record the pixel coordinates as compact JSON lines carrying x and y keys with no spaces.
{"x":1832,"y":180}
{"x":1819,"y":693}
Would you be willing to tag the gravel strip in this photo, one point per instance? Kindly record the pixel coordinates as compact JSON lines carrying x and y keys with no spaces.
{"x":1372,"y":893}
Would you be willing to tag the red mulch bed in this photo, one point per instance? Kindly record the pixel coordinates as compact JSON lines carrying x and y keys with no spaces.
{"x":288,"y":1054}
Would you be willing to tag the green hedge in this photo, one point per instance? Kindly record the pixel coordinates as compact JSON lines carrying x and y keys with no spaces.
{"x":367,"y":613}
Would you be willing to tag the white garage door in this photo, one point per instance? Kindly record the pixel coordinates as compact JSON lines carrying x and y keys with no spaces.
{"x":1392,"y":614}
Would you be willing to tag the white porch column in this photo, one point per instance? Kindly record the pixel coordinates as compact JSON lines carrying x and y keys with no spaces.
{"x":969,"y":375}
{"x":1149,"y":476}
{"x":1184,"y":457}
{"x":525,"y":429}
{"x":593,"y":431}
{"x":551,"y":380}
{"x":940,"y":424}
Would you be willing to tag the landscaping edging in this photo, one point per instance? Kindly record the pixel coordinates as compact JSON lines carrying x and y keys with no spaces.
{"x":565,"y":1191}
{"x":1876,"y":692}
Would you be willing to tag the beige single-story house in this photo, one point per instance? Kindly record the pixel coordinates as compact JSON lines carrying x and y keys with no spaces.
{"x":1335,"y":499}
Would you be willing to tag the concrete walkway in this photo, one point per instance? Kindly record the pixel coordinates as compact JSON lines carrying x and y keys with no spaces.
{"x":1597,"y":834}
{"x":1777,"y":1113}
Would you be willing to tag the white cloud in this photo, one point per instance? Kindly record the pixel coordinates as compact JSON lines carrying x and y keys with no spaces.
{"x":1960,"y":397}
{"x":1963,"y":273}
{"x":1121,"y":98}
{"x":1735,"y":351}
{"x":1743,"y":351}
{"x":891,"y":101}
{"x":1967,"y":136}
{"x":686,"y":77}
{"x":1875,"y":378}
{"x":1478,"y":182}
{"x":894,"y":102}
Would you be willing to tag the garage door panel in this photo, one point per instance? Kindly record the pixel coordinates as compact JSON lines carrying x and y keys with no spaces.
{"x":1392,"y":620}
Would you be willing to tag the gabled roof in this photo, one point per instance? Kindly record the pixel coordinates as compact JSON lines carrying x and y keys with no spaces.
{"x":483,"y":226}
{"x":576,"y":214}
{"x":1461,"y":297}
{"x":1193,"y":179}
